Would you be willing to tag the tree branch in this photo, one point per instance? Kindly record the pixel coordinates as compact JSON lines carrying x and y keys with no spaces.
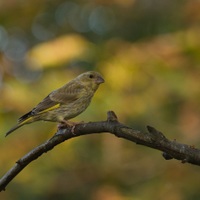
{"x":153,"y":139}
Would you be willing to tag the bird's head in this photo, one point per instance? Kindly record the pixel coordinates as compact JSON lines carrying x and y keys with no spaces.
{"x":91,"y":79}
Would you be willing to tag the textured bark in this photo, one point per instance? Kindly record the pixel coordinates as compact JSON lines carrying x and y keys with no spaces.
{"x":153,"y":139}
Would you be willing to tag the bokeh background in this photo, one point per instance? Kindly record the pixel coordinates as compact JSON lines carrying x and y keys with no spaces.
{"x":149,"y":54}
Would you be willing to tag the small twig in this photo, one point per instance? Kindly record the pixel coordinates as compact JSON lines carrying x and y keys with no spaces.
{"x":153,"y":139}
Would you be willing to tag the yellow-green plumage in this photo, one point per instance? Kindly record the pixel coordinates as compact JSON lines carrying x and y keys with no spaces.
{"x":64,"y":103}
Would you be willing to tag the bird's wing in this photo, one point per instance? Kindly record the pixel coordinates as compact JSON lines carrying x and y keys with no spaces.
{"x":45,"y":105}
{"x":63,"y":95}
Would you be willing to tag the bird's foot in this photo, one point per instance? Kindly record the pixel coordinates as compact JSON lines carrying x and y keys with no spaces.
{"x":63,"y":125}
{"x":68,"y":124}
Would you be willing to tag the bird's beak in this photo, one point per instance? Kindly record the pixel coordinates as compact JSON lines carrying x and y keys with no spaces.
{"x":100,"y":80}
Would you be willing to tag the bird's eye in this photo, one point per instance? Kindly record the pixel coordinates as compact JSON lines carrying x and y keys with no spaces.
{"x":91,"y":76}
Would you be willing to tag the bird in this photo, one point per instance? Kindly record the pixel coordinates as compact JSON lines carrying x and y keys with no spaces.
{"x":65,"y":102}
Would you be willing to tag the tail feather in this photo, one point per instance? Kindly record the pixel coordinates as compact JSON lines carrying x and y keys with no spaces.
{"x":22,"y":121}
{"x":14,"y":128}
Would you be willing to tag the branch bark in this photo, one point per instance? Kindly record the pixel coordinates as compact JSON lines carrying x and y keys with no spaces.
{"x":153,"y":139}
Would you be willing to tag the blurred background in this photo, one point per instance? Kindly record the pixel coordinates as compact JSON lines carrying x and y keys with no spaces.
{"x":148,"y":53}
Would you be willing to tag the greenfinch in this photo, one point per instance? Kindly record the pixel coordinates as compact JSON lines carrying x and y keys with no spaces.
{"x":64,"y":103}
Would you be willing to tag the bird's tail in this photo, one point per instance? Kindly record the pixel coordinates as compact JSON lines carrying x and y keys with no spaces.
{"x":19,"y":124}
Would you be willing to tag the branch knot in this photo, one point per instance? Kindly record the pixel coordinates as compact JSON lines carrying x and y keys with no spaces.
{"x":111,"y":116}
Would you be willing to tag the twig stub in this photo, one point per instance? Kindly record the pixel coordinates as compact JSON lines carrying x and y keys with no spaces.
{"x":111,"y":116}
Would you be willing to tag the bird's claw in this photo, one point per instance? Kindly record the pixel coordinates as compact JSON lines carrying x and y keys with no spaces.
{"x":69,"y":124}
{"x":63,"y":125}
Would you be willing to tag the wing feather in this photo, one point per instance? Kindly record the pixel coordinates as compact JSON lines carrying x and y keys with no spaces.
{"x":64,"y":95}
